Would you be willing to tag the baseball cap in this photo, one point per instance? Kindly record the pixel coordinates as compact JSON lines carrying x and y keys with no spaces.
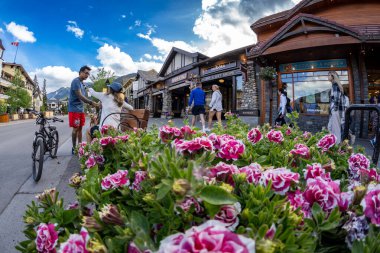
{"x":116,"y":87}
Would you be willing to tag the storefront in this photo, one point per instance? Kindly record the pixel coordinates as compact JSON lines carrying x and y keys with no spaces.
{"x":305,"y":43}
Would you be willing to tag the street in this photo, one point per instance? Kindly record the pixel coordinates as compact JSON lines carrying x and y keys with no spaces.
{"x":15,"y":155}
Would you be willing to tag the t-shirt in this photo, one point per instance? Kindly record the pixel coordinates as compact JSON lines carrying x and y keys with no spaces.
{"x":75,"y":104}
{"x":198,"y":96}
{"x":109,"y":106}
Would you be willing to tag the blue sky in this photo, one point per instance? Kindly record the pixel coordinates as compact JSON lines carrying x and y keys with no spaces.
{"x":57,"y":37}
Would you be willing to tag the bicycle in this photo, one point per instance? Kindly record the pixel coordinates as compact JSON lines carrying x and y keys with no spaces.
{"x":46,"y":139}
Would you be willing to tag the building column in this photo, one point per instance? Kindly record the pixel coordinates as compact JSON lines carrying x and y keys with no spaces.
{"x":166,"y":103}
{"x":250,"y":101}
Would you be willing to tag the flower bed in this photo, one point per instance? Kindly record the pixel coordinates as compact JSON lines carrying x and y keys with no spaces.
{"x":235,"y":190}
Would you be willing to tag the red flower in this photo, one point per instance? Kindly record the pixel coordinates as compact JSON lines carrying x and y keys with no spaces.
{"x":254,"y":135}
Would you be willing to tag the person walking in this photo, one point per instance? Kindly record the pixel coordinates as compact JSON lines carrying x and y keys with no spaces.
{"x":216,"y":106}
{"x":198,"y":96}
{"x":75,"y":106}
{"x":280,"y":120}
{"x":337,"y":105}
{"x":112,"y":102}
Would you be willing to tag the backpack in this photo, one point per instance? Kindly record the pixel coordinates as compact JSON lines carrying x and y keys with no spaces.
{"x":289,"y":109}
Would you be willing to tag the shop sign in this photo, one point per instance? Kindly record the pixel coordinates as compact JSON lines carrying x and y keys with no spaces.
{"x":221,"y":75}
{"x":179,"y":78}
{"x":219,"y":67}
{"x":308,"y":65}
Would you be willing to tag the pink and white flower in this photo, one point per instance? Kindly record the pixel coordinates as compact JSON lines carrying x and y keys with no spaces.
{"x":228,"y":214}
{"x":187,"y":131}
{"x":105,"y":141}
{"x":297,"y":200}
{"x":344,"y":200}
{"x":357,"y":162}
{"x":116,"y":180}
{"x":139,"y":177}
{"x":253,"y":172}
{"x":167,"y":133}
{"x":104,"y":129}
{"x":371,"y":204}
{"x":301,"y":150}
{"x":198,"y":145}
{"x":223,"y":172}
{"x":288,"y":131}
{"x":188,"y":202}
{"x":316,"y":170}
{"x":231,"y":150}
{"x":211,"y":236}
{"x":123,"y":138}
{"x":254,"y":135}
{"x":77,"y":243}
{"x":47,"y":238}
{"x":275,"y":136}
{"x":219,"y":140}
{"x":99,"y":159}
{"x":91,"y":162}
{"x":326,"y":142}
{"x":325,"y":193}
{"x":306,"y":135}
{"x":271,"y":232}
{"x":281,"y":178}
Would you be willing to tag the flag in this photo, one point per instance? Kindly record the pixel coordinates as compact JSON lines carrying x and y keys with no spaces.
{"x":15,"y":43}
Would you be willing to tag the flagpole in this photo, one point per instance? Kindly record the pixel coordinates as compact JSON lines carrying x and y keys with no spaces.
{"x":14,"y":60}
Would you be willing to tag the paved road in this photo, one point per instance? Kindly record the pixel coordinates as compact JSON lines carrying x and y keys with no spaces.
{"x":15,"y":155}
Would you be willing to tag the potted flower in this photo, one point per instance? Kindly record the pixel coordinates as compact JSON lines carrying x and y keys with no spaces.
{"x":4,"y":117}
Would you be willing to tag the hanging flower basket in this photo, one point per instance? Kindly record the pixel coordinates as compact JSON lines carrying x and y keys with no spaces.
{"x":268,"y":73}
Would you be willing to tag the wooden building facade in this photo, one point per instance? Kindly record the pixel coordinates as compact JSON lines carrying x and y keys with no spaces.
{"x":311,"y":39}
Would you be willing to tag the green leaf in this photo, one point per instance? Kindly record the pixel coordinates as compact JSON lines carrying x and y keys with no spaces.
{"x":162,"y":191}
{"x":70,"y":215}
{"x":139,"y":222}
{"x":212,"y":209}
{"x":357,"y":247}
{"x":217,"y":196}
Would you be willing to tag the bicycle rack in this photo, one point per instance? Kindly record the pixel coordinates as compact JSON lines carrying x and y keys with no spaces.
{"x":360,"y":107}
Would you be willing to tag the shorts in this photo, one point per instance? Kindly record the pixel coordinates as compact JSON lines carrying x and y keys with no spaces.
{"x":92,"y":131}
{"x":76,"y":119}
{"x":198,"y":109}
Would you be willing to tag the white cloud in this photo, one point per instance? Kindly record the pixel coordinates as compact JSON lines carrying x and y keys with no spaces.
{"x":123,"y":16}
{"x":21,"y":32}
{"x":1,"y":30}
{"x":112,"y":58}
{"x":137,"y":22}
{"x":74,"y":28}
{"x":56,"y":77}
{"x":148,"y":56}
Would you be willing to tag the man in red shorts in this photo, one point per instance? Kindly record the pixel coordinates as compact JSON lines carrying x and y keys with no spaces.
{"x":76,"y":108}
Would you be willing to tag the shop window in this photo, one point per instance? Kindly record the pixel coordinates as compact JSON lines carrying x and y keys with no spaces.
{"x":239,"y":92}
{"x":309,"y":92}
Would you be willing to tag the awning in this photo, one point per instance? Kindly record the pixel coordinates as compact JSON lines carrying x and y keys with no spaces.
{"x":157,"y":93}
{"x":174,"y":87}
{"x":5,"y":83}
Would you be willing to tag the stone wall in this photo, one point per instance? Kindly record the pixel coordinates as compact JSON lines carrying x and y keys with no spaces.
{"x":250,"y":92}
{"x":166,"y":103}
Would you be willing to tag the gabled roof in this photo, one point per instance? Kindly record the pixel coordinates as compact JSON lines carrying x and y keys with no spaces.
{"x":23,"y":71}
{"x":325,"y":25}
{"x":225,"y":54}
{"x":285,"y":15}
{"x":172,"y":54}
{"x":125,"y":78}
{"x":149,"y":76}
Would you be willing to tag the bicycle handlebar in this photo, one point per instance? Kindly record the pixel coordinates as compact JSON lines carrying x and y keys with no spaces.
{"x":40,"y":114}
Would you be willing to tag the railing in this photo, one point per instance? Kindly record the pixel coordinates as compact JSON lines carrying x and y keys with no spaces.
{"x":356,"y":107}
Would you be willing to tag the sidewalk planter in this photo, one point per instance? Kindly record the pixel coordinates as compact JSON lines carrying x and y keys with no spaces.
{"x":25,"y":116}
{"x":234,"y":190}
{"x":4,"y":118}
{"x":15,"y":116}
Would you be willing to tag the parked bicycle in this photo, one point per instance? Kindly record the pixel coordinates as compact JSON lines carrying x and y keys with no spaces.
{"x":45,"y":140}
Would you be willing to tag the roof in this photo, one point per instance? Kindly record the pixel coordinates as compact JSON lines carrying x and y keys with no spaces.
{"x":23,"y":71}
{"x":225,"y":54}
{"x":150,"y":76}
{"x":1,"y":45}
{"x":172,"y":54}
{"x":280,"y":33}
{"x":125,"y":78}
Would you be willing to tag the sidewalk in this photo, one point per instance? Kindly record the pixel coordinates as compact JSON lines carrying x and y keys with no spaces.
{"x":56,"y":173}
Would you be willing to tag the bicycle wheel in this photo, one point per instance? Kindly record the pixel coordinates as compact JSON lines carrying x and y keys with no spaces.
{"x":38,"y":159}
{"x":54,"y":144}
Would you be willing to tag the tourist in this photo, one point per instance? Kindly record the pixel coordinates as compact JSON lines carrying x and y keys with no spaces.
{"x":198,"y":96}
{"x":216,"y":106}
{"x":280,"y":120}
{"x":336,"y":106}
{"x":76,"y":108}
{"x":112,"y":102}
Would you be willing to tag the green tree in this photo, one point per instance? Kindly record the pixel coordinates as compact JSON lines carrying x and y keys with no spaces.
{"x":18,"y":95}
{"x":100,"y":79}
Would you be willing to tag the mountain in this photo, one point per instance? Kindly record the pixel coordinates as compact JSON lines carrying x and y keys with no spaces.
{"x":61,"y":93}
